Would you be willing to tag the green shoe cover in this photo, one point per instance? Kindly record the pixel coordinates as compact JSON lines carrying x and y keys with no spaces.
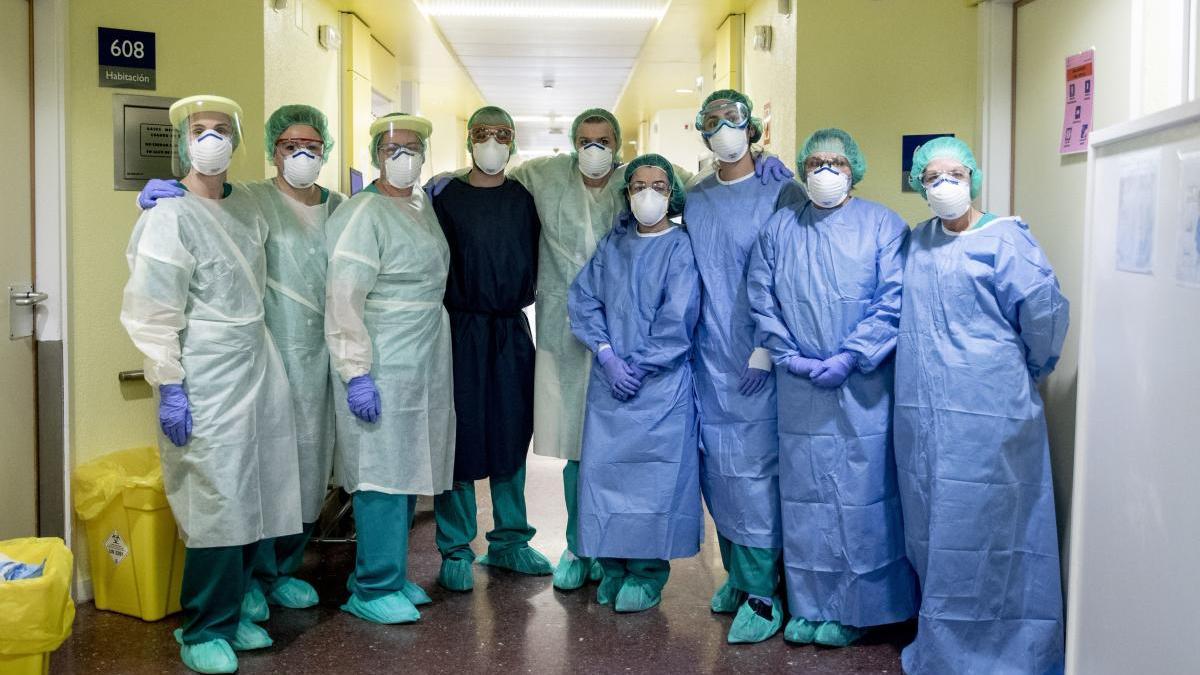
{"x":214,"y":656}
{"x":800,"y":631}
{"x":293,"y":593}
{"x":636,"y":596}
{"x":521,"y":559}
{"x":254,"y":604}
{"x":596,"y":573}
{"x":389,"y":609}
{"x":571,"y":572}
{"x":251,"y":636}
{"x":608,"y":589}
{"x":456,"y":575}
{"x":415,"y":594}
{"x":727,"y":599}
{"x":834,"y":634}
{"x":750,"y":626}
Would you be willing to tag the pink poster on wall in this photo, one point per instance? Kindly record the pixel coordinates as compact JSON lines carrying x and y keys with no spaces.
{"x":1077,"y":117}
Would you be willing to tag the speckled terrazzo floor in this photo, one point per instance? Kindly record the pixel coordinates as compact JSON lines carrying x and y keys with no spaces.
{"x":508,"y":624}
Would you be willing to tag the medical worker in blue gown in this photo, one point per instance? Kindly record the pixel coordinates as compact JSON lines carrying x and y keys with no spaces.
{"x":983,"y":323}
{"x":825,"y":290}
{"x":635,"y":305}
{"x":735,"y":382}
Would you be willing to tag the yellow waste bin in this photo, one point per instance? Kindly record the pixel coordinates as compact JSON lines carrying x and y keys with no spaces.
{"x":35,"y":614}
{"x":134,"y":549}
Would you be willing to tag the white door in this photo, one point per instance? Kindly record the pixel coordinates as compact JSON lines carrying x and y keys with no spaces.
{"x":18,"y":412}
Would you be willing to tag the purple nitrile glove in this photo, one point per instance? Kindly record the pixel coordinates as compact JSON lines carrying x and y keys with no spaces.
{"x":363,"y":398}
{"x":158,"y":189}
{"x":834,"y":370}
{"x":769,"y":169}
{"x":802,"y":366}
{"x":174,"y":414}
{"x":753,"y":381}
{"x":434,"y":186}
{"x":623,"y":381}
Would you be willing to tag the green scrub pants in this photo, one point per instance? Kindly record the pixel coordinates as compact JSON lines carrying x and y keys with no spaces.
{"x":281,"y":557}
{"x":571,"y":493}
{"x":649,"y":570}
{"x":456,"y":515}
{"x":214,"y":581}
{"x":751,"y":570}
{"x":381,"y":558}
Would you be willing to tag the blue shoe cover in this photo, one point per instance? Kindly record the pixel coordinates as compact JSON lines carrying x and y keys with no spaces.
{"x":251,"y":636}
{"x":608,"y":589}
{"x":254,"y":604}
{"x":389,"y":609}
{"x":456,"y":575}
{"x":214,"y":656}
{"x":834,"y":634}
{"x":571,"y":572}
{"x":727,"y":599}
{"x":415,"y":594}
{"x":293,"y":593}
{"x":520,"y":559}
{"x":800,"y":631}
{"x":636,"y":596}
{"x":750,"y":626}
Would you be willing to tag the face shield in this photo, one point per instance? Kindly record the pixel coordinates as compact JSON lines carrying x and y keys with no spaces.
{"x":209,"y":135}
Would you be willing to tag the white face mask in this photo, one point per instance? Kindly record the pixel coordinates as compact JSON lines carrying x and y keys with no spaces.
{"x":491,"y":157}
{"x":403,"y":169}
{"x":827,"y":187}
{"x":729,"y":144}
{"x":301,"y":169}
{"x":595,"y":160}
{"x":648,"y":207}
{"x":210,"y":153}
{"x":948,"y":197}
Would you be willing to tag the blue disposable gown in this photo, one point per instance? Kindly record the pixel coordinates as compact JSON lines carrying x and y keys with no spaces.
{"x":983,"y":320}
{"x":824,"y":281}
{"x":639,"y":485}
{"x":738,"y":439}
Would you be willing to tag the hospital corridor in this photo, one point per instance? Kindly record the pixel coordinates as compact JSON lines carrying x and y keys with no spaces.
{"x":568,"y":336}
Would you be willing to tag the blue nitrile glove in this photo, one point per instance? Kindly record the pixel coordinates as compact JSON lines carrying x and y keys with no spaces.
{"x":752,"y":381}
{"x":158,"y":189}
{"x":174,"y":414}
{"x":802,"y":366}
{"x":621,"y":375}
{"x":834,"y":370}
{"x":363,"y":398}
{"x":434,"y":186}
{"x":768,"y":168}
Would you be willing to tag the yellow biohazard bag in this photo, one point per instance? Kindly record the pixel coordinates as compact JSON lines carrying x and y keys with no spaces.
{"x":35,"y":614}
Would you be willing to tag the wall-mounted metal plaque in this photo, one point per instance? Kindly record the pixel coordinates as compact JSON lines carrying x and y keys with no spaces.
{"x":142,"y":140}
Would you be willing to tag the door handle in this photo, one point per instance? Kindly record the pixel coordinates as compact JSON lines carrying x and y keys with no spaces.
{"x":28,"y":298}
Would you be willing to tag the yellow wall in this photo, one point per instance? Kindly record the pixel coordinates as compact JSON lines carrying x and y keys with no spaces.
{"x":299,"y":70}
{"x":882,"y":69}
{"x":210,"y":52}
{"x":770,"y":77}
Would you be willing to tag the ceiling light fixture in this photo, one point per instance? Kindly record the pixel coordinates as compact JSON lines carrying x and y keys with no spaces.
{"x":616,"y":9}
{"x":684,"y":91}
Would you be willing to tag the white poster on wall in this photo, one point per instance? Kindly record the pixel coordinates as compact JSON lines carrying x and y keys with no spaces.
{"x":1135,"y":214}
{"x":1187,"y":266}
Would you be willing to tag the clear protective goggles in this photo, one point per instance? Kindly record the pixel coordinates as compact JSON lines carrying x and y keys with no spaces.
{"x":722,"y":113}
{"x":930,"y":179}
{"x":481,"y":134}
{"x":816,"y":161}
{"x":290,"y":146}
{"x":393,"y":150}
{"x":662,"y":187}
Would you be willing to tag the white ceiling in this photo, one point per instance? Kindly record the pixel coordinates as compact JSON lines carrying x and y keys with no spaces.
{"x":513,"y":49}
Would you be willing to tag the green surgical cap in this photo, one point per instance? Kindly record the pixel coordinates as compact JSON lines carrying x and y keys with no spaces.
{"x":398,"y":120}
{"x":492,"y":116}
{"x":290,"y":115}
{"x":944,"y":147}
{"x":678,"y":194}
{"x":756,"y":125}
{"x":839,"y":142}
{"x":593,"y":114}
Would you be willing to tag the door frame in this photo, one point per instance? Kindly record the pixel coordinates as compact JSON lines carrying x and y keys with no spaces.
{"x":50,"y":51}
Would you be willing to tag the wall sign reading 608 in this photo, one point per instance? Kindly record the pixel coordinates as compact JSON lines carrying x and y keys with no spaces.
{"x":126,"y":58}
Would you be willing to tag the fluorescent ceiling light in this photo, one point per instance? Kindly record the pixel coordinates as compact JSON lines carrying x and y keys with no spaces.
{"x":531,"y":118}
{"x":685,"y":91}
{"x":552,"y":9}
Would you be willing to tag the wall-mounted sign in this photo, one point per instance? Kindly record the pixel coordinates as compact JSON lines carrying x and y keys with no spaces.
{"x":126,"y":58}
{"x":142,"y":140}
{"x":1077,"y":118}
{"x":908,"y":145}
